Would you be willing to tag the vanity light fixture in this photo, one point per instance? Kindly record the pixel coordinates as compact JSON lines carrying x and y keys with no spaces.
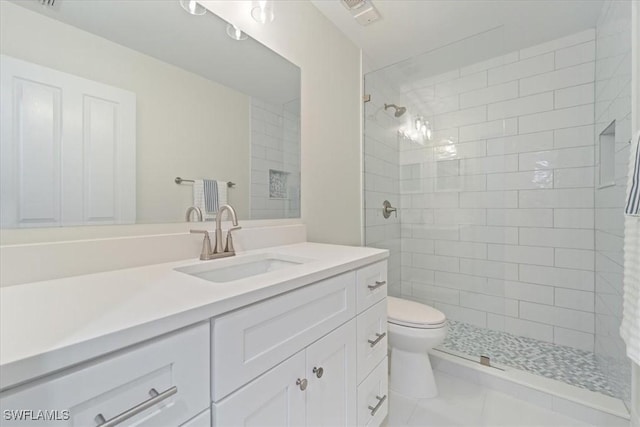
{"x":262,"y":11}
{"x":192,"y":7}
{"x":235,"y":33}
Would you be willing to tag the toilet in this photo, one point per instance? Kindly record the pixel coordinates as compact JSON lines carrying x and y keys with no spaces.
{"x":414,"y":329}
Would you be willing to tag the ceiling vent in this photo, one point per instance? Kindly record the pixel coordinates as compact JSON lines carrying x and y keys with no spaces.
{"x":353,"y":4}
{"x":47,"y":2}
{"x":363,"y":11}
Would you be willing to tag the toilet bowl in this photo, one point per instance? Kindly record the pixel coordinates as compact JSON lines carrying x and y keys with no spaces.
{"x":414,"y":329}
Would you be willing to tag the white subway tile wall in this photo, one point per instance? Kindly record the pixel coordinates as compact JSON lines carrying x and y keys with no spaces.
{"x":496,"y":212}
{"x":275,"y":146}
{"x":612,"y":102}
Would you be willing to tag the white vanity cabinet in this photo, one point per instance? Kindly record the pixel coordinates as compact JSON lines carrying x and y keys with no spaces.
{"x":313,"y":356}
{"x":159,"y":383}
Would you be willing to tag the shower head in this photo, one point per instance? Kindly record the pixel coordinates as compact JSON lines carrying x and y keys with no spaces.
{"x":399,"y":110}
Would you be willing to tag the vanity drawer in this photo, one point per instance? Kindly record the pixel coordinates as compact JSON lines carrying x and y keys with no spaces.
{"x":249,"y":341}
{"x":372,"y":338}
{"x":371,"y":284}
{"x":173,"y":368}
{"x":373,"y":397}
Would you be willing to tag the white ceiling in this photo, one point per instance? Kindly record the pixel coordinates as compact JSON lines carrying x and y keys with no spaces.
{"x":199,"y":44}
{"x":409,"y":28}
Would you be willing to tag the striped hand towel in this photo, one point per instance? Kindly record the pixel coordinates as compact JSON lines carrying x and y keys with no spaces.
{"x":211,"y":201}
{"x":633,"y":197}
{"x":200,"y":200}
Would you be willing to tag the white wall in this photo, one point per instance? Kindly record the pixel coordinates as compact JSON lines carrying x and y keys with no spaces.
{"x":612,"y":103}
{"x":497,"y":210}
{"x":187,"y":126}
{"x":330,"y":111}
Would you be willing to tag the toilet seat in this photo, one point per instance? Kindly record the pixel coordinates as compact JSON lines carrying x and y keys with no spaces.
{"x":413,"y":314}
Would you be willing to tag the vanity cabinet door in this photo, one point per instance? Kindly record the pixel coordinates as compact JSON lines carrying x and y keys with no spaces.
{"x":272,"y":400}
{"x":331,"y":369}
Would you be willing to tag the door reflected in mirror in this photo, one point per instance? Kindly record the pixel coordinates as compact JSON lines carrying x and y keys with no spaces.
{"x":105,"y":103}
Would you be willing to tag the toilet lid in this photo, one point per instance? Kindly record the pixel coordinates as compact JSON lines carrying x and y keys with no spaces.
{"x":413,"y":314}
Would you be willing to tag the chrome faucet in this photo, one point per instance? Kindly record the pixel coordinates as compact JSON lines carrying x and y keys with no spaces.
{"x":219,"y":251}
{"x":192,"y":209}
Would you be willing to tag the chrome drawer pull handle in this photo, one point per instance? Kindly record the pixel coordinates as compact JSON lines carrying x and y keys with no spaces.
{"x":380,"y":402}
{"x":379,"y":337}
{"x":377,"y":285}
{"x":155,"y":398}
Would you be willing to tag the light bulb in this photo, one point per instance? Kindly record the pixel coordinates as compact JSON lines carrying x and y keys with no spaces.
{"x":193,"y":7}
{"x":235,"y":32}
{"x":263,"y":12}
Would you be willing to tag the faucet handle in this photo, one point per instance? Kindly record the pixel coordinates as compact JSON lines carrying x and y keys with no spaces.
{"x":205,"y":232}
{"x":205,"y":254}
{"x":229,"y":246}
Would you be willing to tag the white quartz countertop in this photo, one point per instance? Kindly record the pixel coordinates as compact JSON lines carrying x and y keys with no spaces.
{"x":50,"y":325}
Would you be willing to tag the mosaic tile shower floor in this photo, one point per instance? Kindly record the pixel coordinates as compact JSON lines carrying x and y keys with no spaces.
{"x":575,"y":367}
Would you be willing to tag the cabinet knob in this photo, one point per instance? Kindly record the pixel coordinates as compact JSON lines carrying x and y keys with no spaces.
{"x":302,"y":383}
{"x":318,"y":371}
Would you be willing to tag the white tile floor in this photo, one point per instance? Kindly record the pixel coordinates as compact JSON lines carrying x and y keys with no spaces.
{"x":464,"y":403}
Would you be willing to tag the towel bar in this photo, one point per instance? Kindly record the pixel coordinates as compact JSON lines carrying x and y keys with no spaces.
{"x":179,"y":180}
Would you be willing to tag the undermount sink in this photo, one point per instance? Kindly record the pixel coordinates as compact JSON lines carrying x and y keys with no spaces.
{"x":231,"y":269}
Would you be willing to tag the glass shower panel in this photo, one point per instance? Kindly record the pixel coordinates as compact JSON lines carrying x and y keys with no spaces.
{"x":382,"y":173}
{"x":427,"y":127}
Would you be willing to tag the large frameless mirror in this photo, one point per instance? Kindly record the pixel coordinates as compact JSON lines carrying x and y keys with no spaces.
{"x":103,"y":108}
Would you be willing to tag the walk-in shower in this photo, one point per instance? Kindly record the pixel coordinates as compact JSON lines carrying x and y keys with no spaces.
{"x":501,"y":223}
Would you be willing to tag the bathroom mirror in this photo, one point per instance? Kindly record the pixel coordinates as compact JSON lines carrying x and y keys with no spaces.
{"x":105,"y":103}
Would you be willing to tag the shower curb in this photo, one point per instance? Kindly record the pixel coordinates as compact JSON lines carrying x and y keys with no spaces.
{"x":574,"y":402}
